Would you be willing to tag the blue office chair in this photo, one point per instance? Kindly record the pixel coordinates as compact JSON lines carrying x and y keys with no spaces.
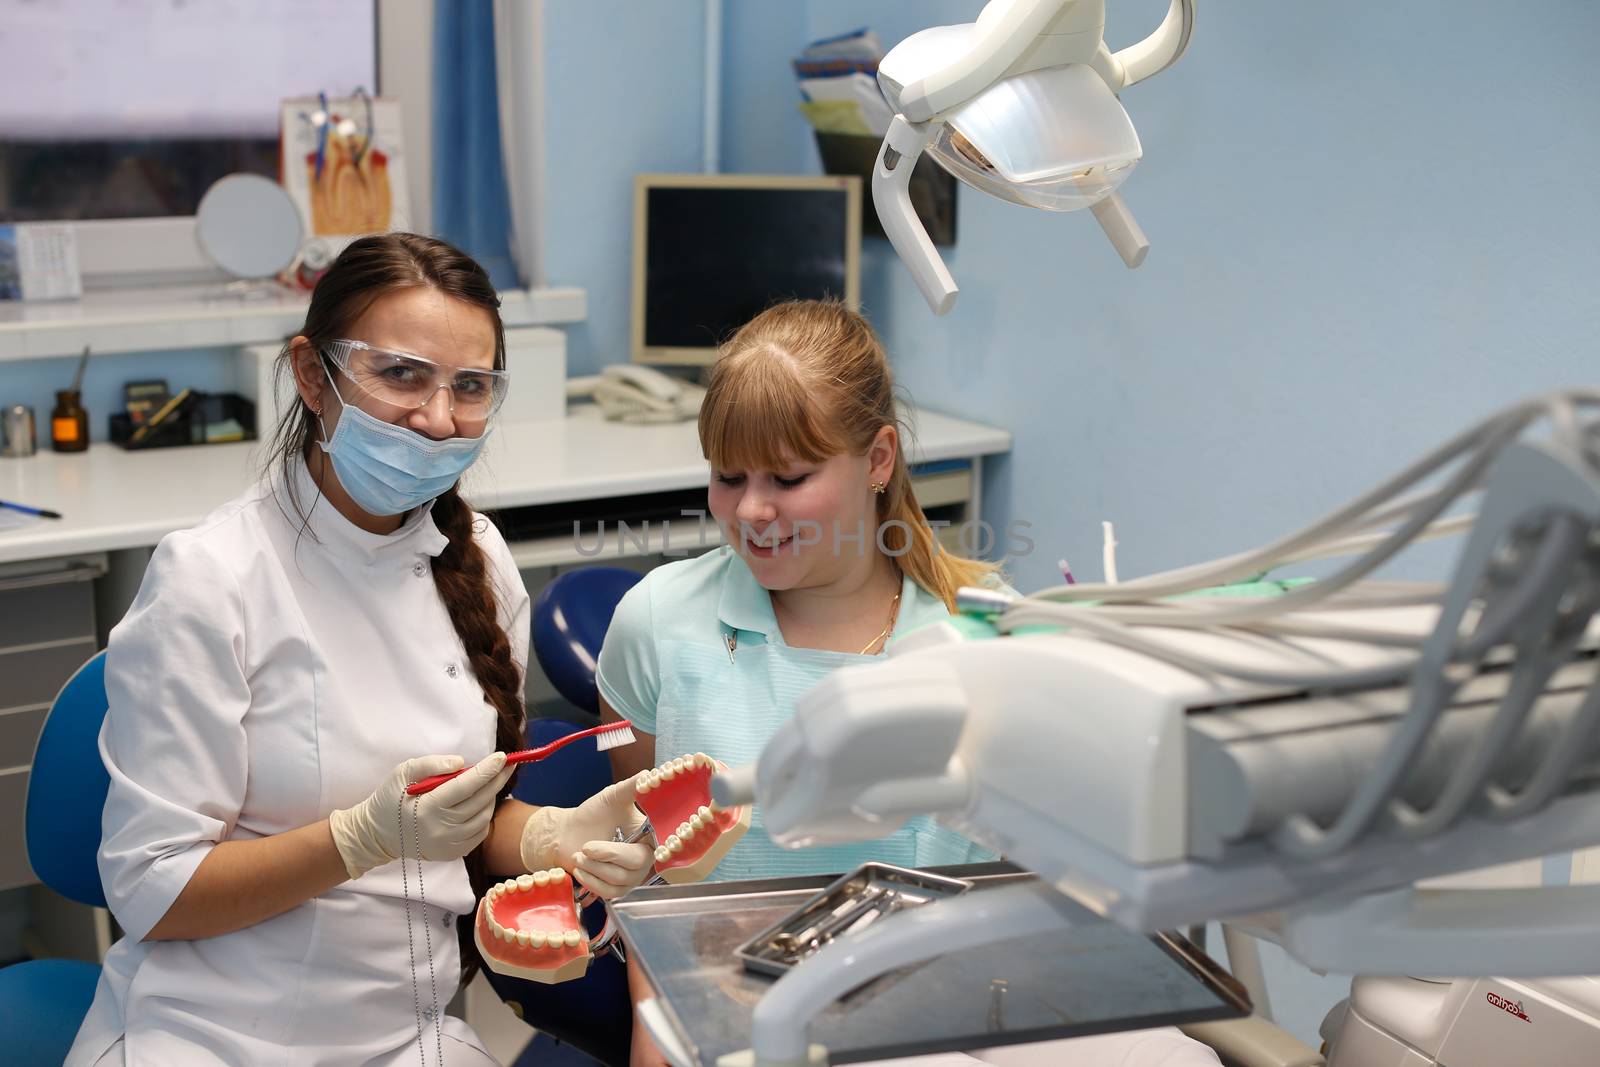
{"x":595,"y":1013}
{"x":43,"y":1002}
{"x":570,"y":619}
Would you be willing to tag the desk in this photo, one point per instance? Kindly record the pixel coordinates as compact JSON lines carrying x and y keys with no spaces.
{"x":113,"y":499}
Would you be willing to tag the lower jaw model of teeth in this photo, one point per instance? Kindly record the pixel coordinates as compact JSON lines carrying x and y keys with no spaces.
{"x":528,"y":927}
{"x":692,"y":832}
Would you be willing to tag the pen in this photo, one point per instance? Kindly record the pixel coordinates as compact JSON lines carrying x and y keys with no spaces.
{"x":43,"y":513}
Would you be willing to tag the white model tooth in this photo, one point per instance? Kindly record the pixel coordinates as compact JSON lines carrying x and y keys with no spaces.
{"x":571,"y":938}
{"x":675,"y":843}
{"x":655,"y":779}
{"x":696,"y":821}
{"x":522,"y":938}
{"x":668,"y":772}
{"x":663,"y":853}
{"x":557,"y":876}
{"x":507,"y":934}
{"x":540,"y":878}
{"x":715,"y":807}
{"x":641,"y":782}
{"x":524,"y":881}
{"x":494,"y":892}
{"x":704,"y":812}
{"x":536,"y":938}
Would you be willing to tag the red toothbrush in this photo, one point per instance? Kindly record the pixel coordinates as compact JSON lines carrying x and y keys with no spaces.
{"x":611,"y":735}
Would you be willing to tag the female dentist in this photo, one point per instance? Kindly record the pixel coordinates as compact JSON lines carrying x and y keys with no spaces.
{"x":283,"y":663}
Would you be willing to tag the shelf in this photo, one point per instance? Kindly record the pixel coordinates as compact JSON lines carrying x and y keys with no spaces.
{"x":206,"y":316}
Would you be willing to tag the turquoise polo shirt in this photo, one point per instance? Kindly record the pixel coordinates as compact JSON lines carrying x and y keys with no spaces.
{"x":665,"y":667}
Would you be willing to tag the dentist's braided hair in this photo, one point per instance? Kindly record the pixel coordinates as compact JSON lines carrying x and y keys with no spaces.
{"x":370,"y":268}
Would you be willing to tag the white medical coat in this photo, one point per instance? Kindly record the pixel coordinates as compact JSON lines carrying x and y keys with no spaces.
{"x":266,"y":675}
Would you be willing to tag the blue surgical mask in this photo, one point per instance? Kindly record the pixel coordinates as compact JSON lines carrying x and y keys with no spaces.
{"x":388,"y":469}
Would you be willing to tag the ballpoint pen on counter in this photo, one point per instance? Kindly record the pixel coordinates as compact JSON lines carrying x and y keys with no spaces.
{"x":43,"y":513}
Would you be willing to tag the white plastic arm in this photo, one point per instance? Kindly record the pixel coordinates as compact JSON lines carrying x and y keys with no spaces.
{"x":1554,"y":930}
{"x":1000,"y":40}
{"x":778,"y":1028}
{"x":1158,"y":51}
{"x":891,"y":195}
{"x":1112,"y":213}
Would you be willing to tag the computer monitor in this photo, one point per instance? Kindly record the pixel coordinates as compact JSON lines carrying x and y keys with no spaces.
{"x":711,"y":251}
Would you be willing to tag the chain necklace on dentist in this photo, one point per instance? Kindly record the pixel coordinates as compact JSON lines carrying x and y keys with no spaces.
{"x":427,"y":938}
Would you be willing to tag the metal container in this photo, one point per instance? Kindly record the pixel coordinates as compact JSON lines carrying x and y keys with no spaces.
{"x":18,"y":431}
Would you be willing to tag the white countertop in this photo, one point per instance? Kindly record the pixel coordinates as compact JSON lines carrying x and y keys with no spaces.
{"x":204,"y":316}
{"x":113,"y":499}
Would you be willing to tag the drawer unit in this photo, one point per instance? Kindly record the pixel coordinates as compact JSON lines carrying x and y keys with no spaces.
{"x":14,"y":869}
{"x":19,"y":730}
{"x":47,"y":631}
{"x":34,"y":674}
{"x":44,"y":609}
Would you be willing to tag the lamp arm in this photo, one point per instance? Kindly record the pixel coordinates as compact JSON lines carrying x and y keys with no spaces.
{"x":1005,"y":29}
{"x":1156,"y":52}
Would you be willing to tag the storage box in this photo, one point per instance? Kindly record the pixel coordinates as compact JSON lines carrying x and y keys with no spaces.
{"x":191,"y":423}
{"x":536,"y":356}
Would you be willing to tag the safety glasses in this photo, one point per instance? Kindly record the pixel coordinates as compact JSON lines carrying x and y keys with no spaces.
{"x":405,"y":381}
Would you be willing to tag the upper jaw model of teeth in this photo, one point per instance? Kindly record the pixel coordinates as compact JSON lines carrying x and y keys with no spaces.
{"x":528,"y":927}
{"x":692,"y":831}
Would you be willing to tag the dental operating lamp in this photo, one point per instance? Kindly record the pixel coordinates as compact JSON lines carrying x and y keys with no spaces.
{"x":1022,"y":105}
{"x":1291,"y":757}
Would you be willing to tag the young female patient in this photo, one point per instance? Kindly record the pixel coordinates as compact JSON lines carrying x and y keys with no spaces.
{"x":828,"y":557}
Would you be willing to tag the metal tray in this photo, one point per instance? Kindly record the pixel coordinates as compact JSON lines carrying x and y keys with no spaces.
{"x":865,"y":894}
{"x":1094,"y":978}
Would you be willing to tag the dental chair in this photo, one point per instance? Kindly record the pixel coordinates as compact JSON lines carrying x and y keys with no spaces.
{"x":43,"y":1002}
{"x":593,"y":1014}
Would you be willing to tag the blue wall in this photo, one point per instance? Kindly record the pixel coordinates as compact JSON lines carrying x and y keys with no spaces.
{"x":1371,"y":224}
{"x":624,"y":89}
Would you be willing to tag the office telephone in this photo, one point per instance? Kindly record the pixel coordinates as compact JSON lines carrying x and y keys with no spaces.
{"x":632,"y":392}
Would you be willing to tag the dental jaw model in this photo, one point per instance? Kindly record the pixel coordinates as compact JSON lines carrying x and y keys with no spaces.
{"x":693,"y":832}
{"x":528,"y":927}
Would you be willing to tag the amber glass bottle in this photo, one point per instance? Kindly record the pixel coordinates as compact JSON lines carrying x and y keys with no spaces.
{"x":69,"y":423}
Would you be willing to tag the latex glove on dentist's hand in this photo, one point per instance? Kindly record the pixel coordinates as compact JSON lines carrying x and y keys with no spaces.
{"x":582,"y":839}
{"x":444,"y":824}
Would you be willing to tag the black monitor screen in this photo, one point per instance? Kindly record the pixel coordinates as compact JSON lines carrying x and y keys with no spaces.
{"x":715,"y":258}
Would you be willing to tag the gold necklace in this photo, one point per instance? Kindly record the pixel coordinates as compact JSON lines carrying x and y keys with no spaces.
{"x":894,"y":612}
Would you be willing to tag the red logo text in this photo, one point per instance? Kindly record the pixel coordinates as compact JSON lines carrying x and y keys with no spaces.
{"x":1511,"y":1007}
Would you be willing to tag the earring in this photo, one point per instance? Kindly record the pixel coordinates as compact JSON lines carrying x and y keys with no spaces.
{"x":879,"y":487}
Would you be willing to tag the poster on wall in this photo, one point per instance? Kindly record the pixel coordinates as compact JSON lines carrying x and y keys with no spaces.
{"x":344,"y":165}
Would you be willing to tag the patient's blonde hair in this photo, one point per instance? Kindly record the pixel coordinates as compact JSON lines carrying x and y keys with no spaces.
{"x":808,"y":380}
